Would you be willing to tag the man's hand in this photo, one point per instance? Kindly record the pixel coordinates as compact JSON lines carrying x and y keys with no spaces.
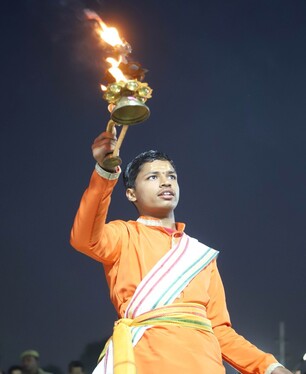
{"x":103,"y":145}
{"x":281,"y":370}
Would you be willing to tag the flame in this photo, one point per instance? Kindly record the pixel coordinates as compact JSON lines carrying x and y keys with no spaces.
{"x":114,"y":70}
{"x":111,"y":36}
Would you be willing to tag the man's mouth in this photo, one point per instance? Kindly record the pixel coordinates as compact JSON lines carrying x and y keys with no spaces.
{"x":166,"y":193}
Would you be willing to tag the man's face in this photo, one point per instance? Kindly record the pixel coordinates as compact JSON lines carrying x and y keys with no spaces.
{"x":156,"y":191}
{"x":29,"y":363}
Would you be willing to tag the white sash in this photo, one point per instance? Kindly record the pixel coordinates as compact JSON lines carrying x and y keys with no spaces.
{"x":162,"y":285}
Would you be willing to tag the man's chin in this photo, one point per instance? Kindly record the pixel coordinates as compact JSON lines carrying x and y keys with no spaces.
{"x":163,"y":211}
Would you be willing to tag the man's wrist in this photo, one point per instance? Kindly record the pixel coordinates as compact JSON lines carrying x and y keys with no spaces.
{"x":273,"y":367}
{"x":107,"y":174}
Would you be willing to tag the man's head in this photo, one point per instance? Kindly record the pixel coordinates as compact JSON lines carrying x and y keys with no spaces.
{"x":151,"y":184}
{"x":76,"y":367}
{"x":134,"y":167}
{"x":30,"y":361}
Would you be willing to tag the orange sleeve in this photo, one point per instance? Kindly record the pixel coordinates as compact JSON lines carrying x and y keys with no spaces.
{"x":236,"y":350}
{"x":90,"y":234}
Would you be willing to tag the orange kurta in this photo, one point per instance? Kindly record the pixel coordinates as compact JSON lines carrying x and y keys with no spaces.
{"x":128,"y":250}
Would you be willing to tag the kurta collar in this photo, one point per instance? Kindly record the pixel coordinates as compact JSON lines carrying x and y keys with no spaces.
{"x":151,"y":221}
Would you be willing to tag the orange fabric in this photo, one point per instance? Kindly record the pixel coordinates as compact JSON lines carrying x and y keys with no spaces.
{"x":128,"y":250}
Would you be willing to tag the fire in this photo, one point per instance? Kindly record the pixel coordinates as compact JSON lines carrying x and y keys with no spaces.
{"x":114,"y":69}
{"x":110,"y":36}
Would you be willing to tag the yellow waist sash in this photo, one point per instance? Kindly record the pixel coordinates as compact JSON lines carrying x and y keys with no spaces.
{"x":190,"y":315}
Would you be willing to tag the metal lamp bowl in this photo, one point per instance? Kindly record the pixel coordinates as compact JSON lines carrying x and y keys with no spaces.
{"x":130,"y":111}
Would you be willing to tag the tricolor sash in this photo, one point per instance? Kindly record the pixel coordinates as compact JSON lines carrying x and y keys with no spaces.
{"x":161,"y":286}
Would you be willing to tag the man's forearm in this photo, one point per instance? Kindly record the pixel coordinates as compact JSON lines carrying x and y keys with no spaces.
{"x":90,"y":218}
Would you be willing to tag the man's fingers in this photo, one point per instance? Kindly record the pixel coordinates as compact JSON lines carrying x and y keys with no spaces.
{"x":105,"y":142}
{"x":106,"y":135}
{"x":103,"y":145}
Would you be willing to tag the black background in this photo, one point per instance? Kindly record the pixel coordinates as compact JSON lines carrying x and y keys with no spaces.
{"x":228,"y":106}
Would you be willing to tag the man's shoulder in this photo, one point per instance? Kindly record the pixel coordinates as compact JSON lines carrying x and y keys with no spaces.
{"x":123,"y":223}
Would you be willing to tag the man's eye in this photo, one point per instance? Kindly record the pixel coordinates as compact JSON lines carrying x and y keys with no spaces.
{"x":172,"y":176}
{"x":152,"y":177}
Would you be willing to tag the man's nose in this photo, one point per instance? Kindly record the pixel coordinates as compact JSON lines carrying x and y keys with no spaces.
{"x":164,"y":181}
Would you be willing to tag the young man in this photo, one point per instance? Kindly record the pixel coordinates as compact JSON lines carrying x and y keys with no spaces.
{"x":165,"y":286}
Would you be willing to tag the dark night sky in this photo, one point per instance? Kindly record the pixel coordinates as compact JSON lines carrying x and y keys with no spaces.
{"x":229,"y":106}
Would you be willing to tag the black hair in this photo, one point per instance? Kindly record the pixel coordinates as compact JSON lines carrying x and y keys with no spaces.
{"x":134,"y":167}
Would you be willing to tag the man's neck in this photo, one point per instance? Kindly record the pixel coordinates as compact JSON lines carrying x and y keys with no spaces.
{"x":168,"y":223}
{"x":157,"y":221}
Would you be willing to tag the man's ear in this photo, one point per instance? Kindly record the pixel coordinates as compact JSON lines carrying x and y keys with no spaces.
{"x":130,"y":194}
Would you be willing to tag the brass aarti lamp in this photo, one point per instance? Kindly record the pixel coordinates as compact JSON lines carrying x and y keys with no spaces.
{"x":126,"y":94}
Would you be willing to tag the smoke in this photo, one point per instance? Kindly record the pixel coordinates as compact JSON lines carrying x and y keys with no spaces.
{"x":64,"y":26}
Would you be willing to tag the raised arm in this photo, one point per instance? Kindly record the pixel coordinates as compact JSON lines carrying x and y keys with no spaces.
{"x":90,"y":234}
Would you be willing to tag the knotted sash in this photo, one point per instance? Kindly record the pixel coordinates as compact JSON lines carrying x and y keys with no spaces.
{"x":190,"y":315}
{"x":160,"y":287}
